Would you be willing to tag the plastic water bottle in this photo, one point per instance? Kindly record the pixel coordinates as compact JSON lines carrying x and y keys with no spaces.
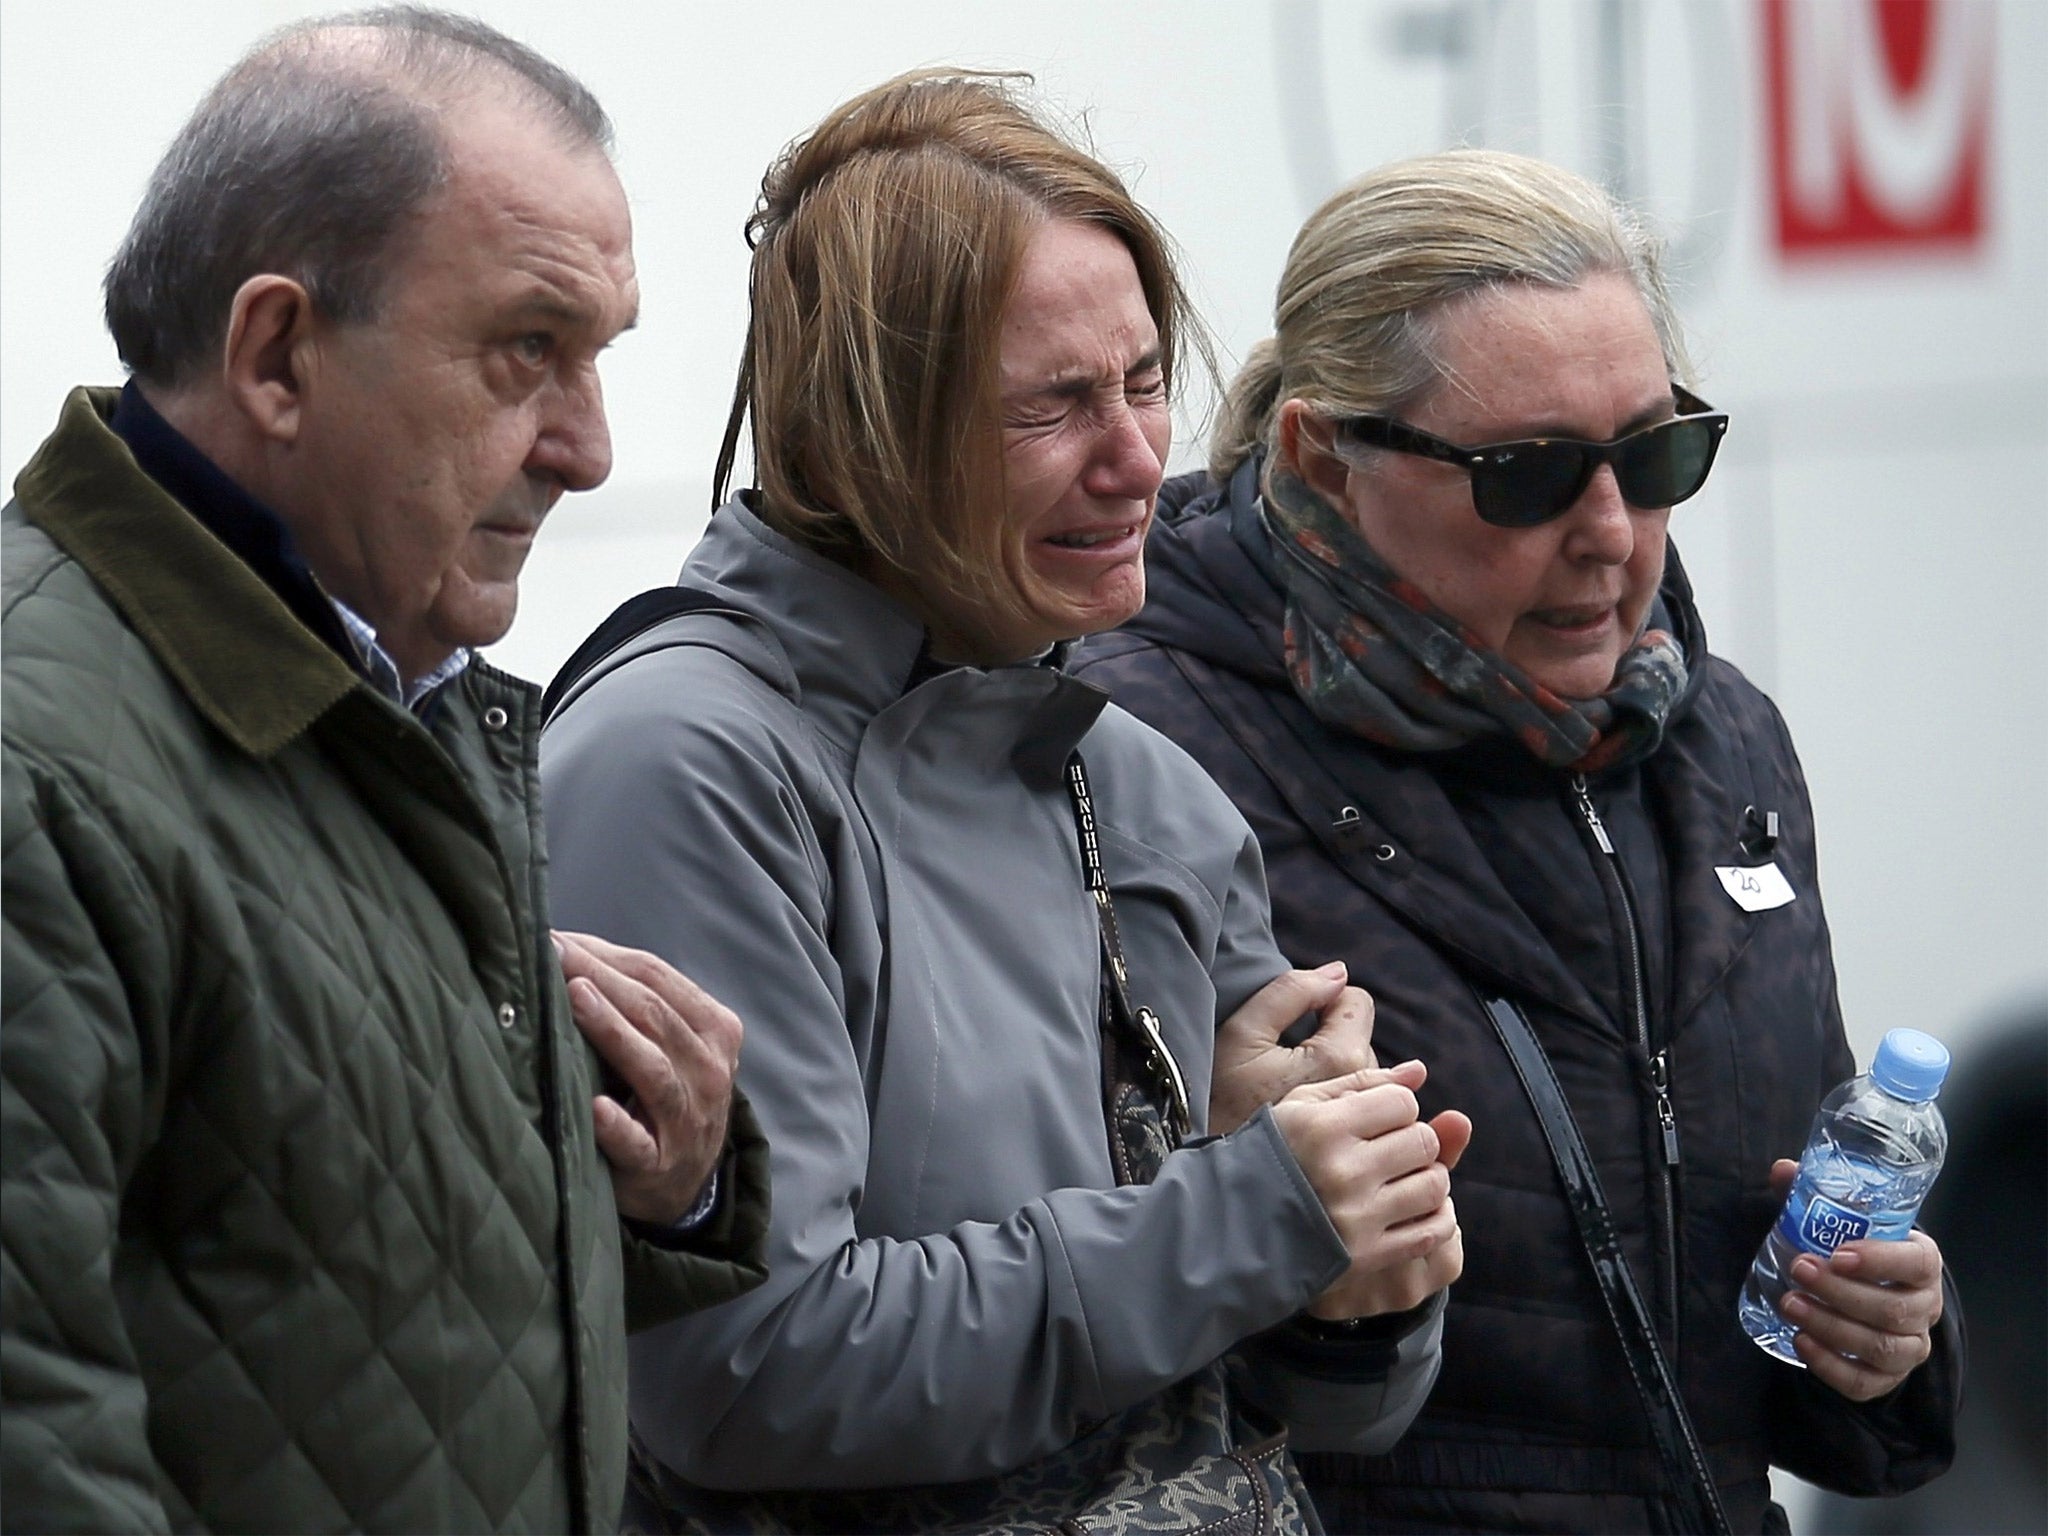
{"x":1875,"y":1148}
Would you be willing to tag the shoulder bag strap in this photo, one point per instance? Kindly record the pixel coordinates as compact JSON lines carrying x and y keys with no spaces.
{"x":1166,"y":1086}
{"x":1678,"y":1446}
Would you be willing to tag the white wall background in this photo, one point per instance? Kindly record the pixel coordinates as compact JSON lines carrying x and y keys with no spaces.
{"x":1874,"y":549}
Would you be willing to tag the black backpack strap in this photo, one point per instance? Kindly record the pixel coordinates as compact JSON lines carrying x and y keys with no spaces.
{"x":631,"y":619}
{"x":1695,"y":1499}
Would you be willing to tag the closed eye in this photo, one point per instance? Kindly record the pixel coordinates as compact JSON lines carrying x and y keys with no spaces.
{"x":1034,"y":417}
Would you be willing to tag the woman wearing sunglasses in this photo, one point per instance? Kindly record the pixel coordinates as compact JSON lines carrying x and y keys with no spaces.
{"x":1422,"y":622}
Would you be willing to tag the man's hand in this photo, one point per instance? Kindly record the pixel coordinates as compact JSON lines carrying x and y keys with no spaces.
{"x":675,"y":1050}
{"x":1253,"y":1068}
{"x":1383,"y":1176}
{"x":1865,"y":1314}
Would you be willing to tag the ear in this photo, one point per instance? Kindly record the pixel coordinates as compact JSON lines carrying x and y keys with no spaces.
{"x":263,"y":362}
{"x":1305,"y":448}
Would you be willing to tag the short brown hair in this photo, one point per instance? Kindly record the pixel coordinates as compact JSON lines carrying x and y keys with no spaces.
{"x":887,"y":243}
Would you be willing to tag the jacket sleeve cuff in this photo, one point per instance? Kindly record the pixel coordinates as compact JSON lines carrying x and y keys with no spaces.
{"x":1357,"y":1397}
{"x":676,"y":1237}
{"x":1887,"y":1446}
{"x":673,"y":1270}
{"x":1361,"y":1349}
{"x":1337,"y":1258}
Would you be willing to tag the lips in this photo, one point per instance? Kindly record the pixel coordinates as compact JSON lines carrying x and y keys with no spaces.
{"x":1098,"y":539}
{"x":1092,"y":538}
{"x":1585,"y":616}
{"x":511,"y":530}
{"x":519,"y":513}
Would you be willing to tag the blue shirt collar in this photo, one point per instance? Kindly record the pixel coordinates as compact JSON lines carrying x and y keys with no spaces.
{"x":381,"y":671}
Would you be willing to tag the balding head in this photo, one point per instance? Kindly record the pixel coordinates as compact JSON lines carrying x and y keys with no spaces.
{"x":311,"y":159}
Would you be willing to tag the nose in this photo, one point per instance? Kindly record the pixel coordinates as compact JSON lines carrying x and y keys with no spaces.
{"x":574,"y":445}
{"x":1125,"y":465}
{"x":1599,"y":527}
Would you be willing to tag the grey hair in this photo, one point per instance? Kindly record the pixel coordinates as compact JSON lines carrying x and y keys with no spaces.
{"x":309,"y":159}
{"x":1377,"y":265}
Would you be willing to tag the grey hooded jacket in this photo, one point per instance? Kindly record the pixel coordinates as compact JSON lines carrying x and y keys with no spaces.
{"x":881,"y":875}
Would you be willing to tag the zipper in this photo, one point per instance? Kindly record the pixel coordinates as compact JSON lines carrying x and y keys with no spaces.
{"x":1667,"y":1122}
{"x":1660,"y":1064}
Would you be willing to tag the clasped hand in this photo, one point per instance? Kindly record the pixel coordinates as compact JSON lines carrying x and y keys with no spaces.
{"x":674,"y":1050}
{"x":1866,"y":1313}
{"x":1382,"y":1173}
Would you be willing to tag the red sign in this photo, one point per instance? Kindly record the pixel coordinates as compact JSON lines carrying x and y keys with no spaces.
{"x":1880,"y":114}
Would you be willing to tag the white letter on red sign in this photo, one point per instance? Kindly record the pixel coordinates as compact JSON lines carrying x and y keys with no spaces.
{"x":1879,"y":114}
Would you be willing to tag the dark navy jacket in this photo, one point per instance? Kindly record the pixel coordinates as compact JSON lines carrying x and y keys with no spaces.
{"x":1446,"y":878}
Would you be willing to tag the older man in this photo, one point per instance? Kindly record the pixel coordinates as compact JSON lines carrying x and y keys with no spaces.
{"x":312,"y":1215}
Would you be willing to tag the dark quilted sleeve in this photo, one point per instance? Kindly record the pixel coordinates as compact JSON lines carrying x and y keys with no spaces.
{"x":719,"y":1260}
{"x":76,"y":1455}
{"x":1897,"y":1443}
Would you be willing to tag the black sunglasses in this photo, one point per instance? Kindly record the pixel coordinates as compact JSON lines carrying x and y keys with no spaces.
{"x":1522,"y":484}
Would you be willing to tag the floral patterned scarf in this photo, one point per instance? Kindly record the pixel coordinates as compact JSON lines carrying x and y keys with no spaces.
{"x":1370,"y":655}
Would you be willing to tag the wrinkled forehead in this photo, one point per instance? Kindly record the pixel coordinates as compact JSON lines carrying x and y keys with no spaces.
{"x":527,"y":220}
{"x":1077,"y":309}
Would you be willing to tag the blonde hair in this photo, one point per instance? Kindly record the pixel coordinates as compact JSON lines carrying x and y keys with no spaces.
{"x":1377,"y":264}
{"x":887,"y":243}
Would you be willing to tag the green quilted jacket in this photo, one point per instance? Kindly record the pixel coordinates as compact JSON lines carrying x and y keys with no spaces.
{"x":305,"y":1228}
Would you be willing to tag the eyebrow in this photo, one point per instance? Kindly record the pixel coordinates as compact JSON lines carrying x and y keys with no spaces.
{"x":544,"y":307}
{"x":566,"y":312}
{"x":1661,"y":409}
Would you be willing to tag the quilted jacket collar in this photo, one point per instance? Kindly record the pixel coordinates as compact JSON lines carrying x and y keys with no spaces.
{"x":239,"y":653}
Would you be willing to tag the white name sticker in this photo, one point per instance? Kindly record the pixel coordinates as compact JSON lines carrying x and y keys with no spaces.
{"x":1755,"y":890}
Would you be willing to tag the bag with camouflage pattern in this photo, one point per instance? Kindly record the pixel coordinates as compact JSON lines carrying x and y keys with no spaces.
{"x":1180,"y":1462}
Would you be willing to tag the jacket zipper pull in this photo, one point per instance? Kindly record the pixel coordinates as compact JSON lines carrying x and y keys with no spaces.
{"x":1667,"y":1119}
{"x":1592,"y":816}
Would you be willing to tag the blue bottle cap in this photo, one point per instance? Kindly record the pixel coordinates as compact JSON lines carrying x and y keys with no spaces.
{"x":1910,"y":1065}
